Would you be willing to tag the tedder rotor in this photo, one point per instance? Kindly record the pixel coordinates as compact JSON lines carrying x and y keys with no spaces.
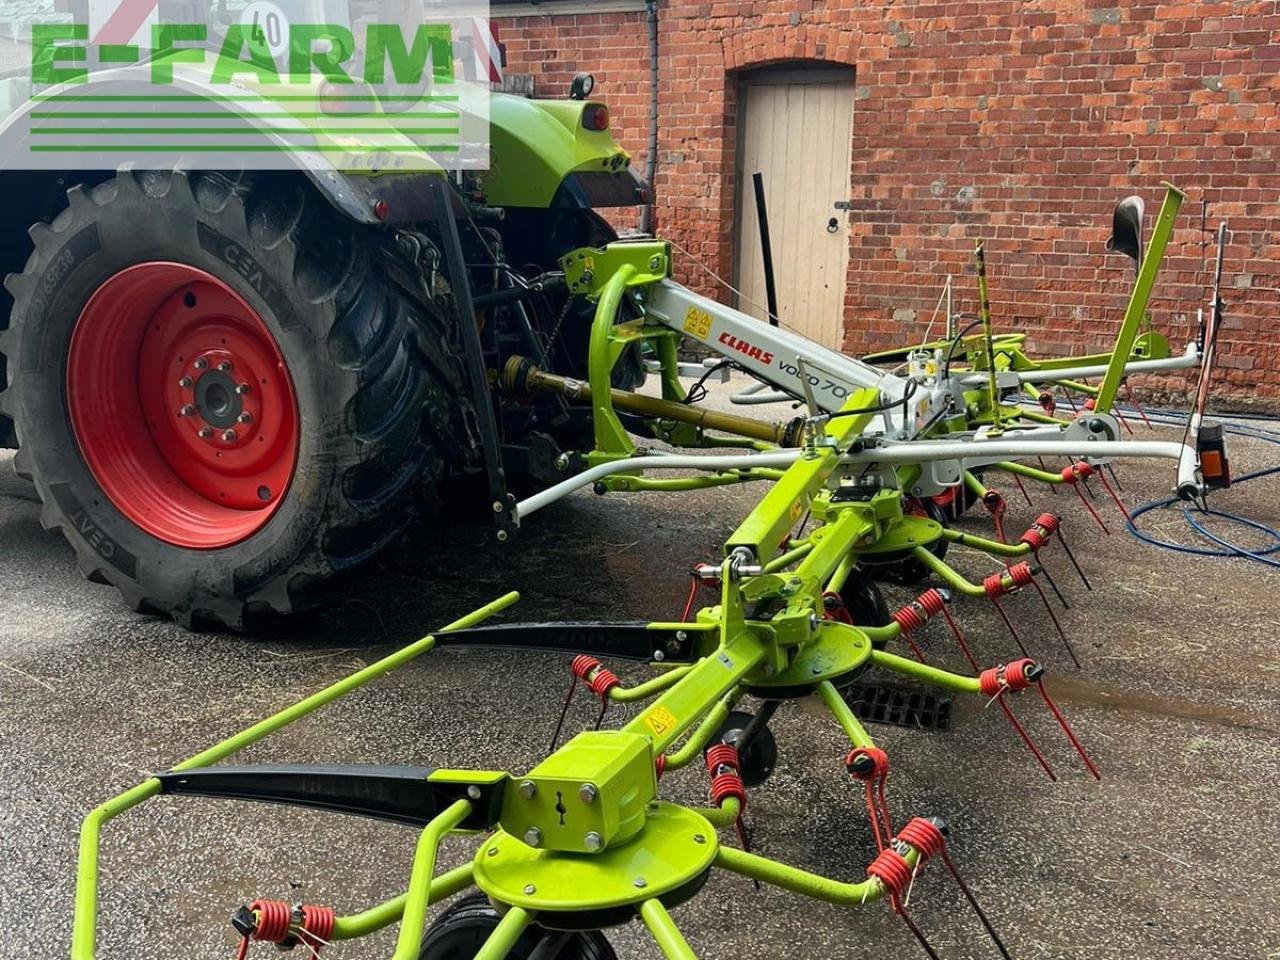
{"x":584,"y":840}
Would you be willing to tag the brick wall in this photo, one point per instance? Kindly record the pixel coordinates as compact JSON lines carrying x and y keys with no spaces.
{"x":1018,"y":121}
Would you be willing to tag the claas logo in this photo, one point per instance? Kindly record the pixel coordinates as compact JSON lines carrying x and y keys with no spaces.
{"x":752,"y":351}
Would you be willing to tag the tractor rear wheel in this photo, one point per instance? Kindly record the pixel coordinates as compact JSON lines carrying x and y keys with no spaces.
{"x":220,"y":396}
{"x":462,"y":929}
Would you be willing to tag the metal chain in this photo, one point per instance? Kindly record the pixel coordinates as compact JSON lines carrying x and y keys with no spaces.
{"x":555,"y":331}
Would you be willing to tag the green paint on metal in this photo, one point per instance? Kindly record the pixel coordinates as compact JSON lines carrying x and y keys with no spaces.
{"x":770,"y":523}
{"x":589,"y":270}
{"x":1136,"y":311}
{"x":369,"y":921}
{"x":903,"y":535}
{"x":418,"y":897}
{"x":803,"y":882}
{"x":849,"y":723}
{"x":837,"y":651}
{"x":955,"y":682}
{"x":537,"y":144}
{"x":85,"y":920}
{"x":665,"y":932}
{"x":589,"y":794}
{"x":675,"y":846}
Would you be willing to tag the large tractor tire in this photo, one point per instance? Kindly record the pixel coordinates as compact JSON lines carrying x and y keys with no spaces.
{"x":221,"y":397}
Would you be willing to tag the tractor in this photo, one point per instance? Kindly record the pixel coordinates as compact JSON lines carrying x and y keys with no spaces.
{"x":229,"y":387}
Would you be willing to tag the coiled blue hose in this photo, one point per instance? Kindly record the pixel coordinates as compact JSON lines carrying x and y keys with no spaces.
{"x":1194,"y":517}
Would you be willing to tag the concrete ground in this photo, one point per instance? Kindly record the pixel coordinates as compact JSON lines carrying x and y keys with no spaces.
{"x":1174,"y":855}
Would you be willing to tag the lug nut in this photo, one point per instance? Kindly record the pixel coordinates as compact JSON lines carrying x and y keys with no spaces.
{"x":528,"y":789}
{"x":224,"y":366}
{"x":533,"y":837}
{"x":242,"y":388}
{"x":204,"y":433}
{"x":592,"y":842}
{"x":228,"y":435}
{"x":201,"y":363}
{"x":186,"y":410}
{"x":245,"y":417}
{"x":587,"y":793}
{"x":185,"y":382}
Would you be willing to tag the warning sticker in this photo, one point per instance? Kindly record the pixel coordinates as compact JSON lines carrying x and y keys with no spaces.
{"x":660,"y":720}
{"x":697,"y":322}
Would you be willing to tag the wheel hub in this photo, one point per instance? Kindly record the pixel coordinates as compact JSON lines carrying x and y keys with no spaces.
{"x":181,"y":404}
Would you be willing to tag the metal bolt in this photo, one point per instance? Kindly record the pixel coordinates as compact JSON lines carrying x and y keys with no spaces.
{"x":242,"y":388}
{"x":640,"y":882}
{"x":502,"y":536}
{"x":699,"y":838}
{"x":655,"y":262}
{"x":201,"y":363}
{"x":659,"y":656}
{"x":533,"y":837}
{"x":562,"y":462}
{"x":592,"y":842}
{"x":681,"y":636}
{"x":204,"y":433}
{"x":587,"y":276}
{"x":228,"y":435}
{"x":493,"y":851}
{"x":497,"y":506}
{"x":473,"y":792}
{"x":587,"y":793}
{"x":186,"y":410}
{"x":530,"y":889}
{"x":245,"y":417}
{"x":528,"y":789}
{"x":224,"y":366}
{"x":185,"y":382}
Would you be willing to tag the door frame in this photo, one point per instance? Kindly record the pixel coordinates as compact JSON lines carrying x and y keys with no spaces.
{"x":775,"y":74}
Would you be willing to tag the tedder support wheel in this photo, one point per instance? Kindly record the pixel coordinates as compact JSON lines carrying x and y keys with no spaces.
{"x":463,"y":928}
{"x":760,"y":755}
{"x":221,"y":398}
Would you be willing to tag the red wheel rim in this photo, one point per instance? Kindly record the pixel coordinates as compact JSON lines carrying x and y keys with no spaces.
{"x":181,"y":405}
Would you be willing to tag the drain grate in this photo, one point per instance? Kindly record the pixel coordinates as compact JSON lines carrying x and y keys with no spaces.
{"x":899,"y":706}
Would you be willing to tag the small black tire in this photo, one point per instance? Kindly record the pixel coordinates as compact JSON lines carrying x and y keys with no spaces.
{"x":757,"y":762}
{"x":911,"y":571}
{"x":371,"y":366}
{"x":461,"y":930}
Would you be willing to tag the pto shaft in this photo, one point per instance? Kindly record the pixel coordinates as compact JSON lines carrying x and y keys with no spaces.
{"x":521,"y":376}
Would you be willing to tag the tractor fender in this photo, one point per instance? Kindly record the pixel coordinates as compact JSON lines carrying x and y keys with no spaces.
{"x":359,"y":195}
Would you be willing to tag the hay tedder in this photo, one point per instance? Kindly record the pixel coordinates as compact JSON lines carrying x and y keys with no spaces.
{"x":230,"y":388}
{"x":857,"y":487}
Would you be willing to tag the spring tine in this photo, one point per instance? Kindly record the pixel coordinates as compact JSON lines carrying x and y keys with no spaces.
{"x":973,"y":902}
{"x":1052,"y":488}
{"x":573,"y":685}
{"x":1090,"y":507}
{"x":1066,"y":728}
{"x":1049,"y":579}
{"x":1054,"y":617}
{"x":1136,"y":405}
{"x":1114,"y":476}
{"x":1009,"y":623}
{"x":1067,"y":547}
{"x":1026,"y":737}
{"x":1114,"y":496}
{"x":1018,"y":480}
{"x":919,"y":934}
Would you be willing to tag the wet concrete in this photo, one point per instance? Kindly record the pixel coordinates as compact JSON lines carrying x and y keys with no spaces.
{"x":1174,"y":855}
